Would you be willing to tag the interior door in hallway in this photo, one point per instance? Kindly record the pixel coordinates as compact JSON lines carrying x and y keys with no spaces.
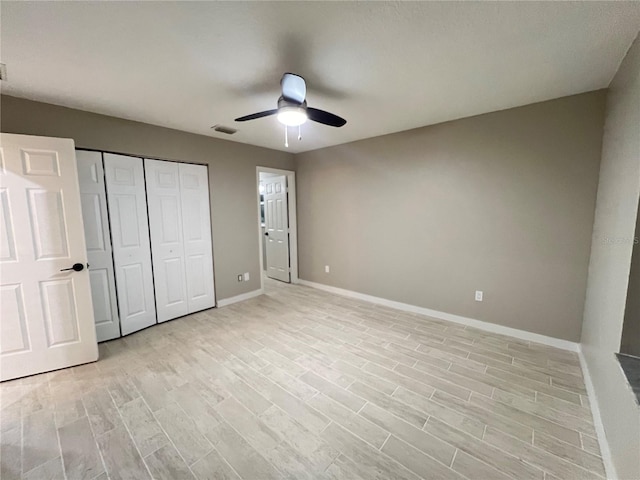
{"x":276,"y":219}
{"x":46,"y":310}
{"x":98,"y":238}
{"x":130,"y":240}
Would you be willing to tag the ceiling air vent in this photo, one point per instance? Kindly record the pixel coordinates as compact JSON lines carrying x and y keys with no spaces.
{"x":223,"y":129}
{"x":3,"y":72}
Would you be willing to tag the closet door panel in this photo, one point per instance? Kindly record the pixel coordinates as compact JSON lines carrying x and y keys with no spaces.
{"x":167,"y":241}
{"x":93,"y":198}
{"x":194,"y":189}
{"x":130,"y":239}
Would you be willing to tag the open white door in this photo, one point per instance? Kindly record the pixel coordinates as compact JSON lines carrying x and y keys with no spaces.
{"x":130,"y":240}
{"x":46,"y":320}
{"x":98,"y":237}
{"x":276,"y":227}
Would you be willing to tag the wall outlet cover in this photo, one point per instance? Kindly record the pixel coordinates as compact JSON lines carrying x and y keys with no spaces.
{"x":240,"y":277}
{"x":479,"y":295}
{"x":246,"y":276}
{"x":326,"y":269}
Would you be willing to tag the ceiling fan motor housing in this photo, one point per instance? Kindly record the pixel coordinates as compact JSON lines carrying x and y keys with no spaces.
{"x":283,"y":102}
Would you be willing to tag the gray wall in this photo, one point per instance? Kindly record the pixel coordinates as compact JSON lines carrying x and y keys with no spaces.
{"x":502,"y":203}
{"x":614,"y":226}
{"x":631,"y":327}
{"x":232,"y":173}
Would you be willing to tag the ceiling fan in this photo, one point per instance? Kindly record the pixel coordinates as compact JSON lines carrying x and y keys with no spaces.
{"x":292,"y":108}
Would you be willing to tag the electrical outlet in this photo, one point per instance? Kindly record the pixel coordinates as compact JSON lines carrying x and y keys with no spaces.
{"x":478,"y":295}
{"x":246,"y":276}
{"x":240,"y":277}
{"x":326,"y":269}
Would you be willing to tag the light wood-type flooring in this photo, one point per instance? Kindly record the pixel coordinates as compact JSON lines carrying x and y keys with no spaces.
{"x":302,"y":384}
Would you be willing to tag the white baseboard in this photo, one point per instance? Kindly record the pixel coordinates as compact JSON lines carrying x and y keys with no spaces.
{"x":472,"y":322}
{"x":605,"y":451}
{"x":239,"y":298}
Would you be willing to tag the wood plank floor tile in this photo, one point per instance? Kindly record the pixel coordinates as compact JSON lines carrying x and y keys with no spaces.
{"x":427,"y":443}
{"x":145,"y":429}
{"x":488,"y":417}
{"x":418,"y":462}
{"x":350,"y":420}
{"x":51,"y":470}
{"x":525,"y":418}
{"x":398,"y":380}
{"x":334,"y":392}
{"x":242,"y":457}
{"x":499,"y":459}
{"x":39,"y":439}
{"x":10,"y":452}
{"x":398,"y":408}
{"x":121,"y":456}
{"x":317,"y":452}
{"x":183,"y":432}
{"x":538,"y":457}
{"x":569,"y":452}
{"x":167,"y":464}
{"x":467,"y":424}
{"x":213,"y":467}
{"x":564,"y":419}
{"x":472,"y":468}
{"x":101,"y":411}
{"x":368,"y":461}
{"x":250,"y":427}
{"x":80,"y":455}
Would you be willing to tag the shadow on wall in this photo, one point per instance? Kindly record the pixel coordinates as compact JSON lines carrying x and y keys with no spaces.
{"x":631,"y":327}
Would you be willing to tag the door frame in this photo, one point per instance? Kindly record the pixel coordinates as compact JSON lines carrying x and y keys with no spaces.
{"x":293,"y":220}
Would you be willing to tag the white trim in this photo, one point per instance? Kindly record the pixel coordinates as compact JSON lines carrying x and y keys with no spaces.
{"x":605,"y":450}
{"x":293,"y":220}
{"x":472,"y":322}
{"x":240,"y":298}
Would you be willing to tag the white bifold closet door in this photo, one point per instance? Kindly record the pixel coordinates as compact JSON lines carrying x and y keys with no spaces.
{"x":196,"y":220}
{"x":165,"y":224}
{"x":179,"y":222}
{"x":93,"y":198}
{"x":130,"y":240}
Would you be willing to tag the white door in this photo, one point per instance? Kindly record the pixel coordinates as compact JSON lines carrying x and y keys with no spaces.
{"x":276,"y":219}
{"x":196,"y":220}
{"x":46,"y":318}
{"x":98,"y":238}
{"x":167,"y":244}
{"x":130,"y":241}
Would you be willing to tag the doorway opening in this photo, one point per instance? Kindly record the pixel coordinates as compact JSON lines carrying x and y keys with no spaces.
{"x":277,"y":224}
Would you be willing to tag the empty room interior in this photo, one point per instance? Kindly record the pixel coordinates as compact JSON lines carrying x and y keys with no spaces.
{"x":320,"y":240}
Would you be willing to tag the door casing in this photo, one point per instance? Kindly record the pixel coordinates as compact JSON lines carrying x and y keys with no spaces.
{"x":293,"y":220}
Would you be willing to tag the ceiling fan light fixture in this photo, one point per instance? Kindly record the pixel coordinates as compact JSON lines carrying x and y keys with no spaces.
{"x":292,"y":116}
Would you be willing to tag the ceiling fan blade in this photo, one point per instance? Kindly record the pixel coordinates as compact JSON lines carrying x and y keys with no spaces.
{"x":327,"y":118}
{"x":294,"y":88}
{"x":253,"y":116}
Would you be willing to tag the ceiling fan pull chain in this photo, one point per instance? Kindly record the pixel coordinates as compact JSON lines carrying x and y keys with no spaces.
{"x":299,"y":132}
{"x":286,"y":138}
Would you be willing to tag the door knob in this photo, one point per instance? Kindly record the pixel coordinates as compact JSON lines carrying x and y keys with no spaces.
{"x":266,"y":233}
{"x":77,"y":267}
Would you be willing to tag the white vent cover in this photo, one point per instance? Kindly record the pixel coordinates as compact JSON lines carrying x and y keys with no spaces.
{"x":223,"y":129}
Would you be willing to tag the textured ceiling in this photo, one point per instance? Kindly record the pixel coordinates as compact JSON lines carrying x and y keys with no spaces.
{"x":384,"y":66}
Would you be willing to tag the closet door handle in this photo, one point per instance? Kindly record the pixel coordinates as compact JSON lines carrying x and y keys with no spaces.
{"x":77,"y":267}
